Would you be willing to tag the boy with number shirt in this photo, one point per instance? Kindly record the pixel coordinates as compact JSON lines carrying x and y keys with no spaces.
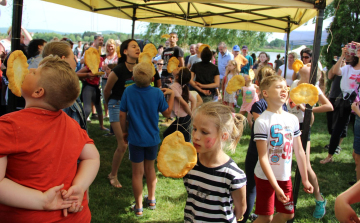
{"x":276,"y":133}
{"x":40,"y":148}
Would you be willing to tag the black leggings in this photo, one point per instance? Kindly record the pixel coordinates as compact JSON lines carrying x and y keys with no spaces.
{"x":184,"y":127}
{"x":331,"y":119}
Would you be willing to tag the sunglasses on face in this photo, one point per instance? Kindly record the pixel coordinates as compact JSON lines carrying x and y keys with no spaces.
{"x":305,"y":57}
{"x":160,"y":64}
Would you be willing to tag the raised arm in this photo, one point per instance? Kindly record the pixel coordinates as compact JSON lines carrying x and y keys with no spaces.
{"x":336,"y":68}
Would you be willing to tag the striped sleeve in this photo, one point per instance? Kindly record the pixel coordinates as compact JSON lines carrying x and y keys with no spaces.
{"x":239,"y":179}
{"x":297,"y":131}
{"x":260,"y":130}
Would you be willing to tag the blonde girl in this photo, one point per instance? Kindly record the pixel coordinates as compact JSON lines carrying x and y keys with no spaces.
{"x":231,"y":71}
{"x":216,"y":183}
{"x":249,"y":98}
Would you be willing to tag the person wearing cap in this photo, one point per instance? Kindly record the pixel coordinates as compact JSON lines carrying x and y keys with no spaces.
{"x":236,"y":52}
{"x":196,"y":57}
{"x":223,"y":59}
{"x":245,"y":69}
{"x":158,"y":55}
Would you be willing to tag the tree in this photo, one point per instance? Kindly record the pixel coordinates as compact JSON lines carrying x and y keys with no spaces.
{"x":344,"y":29}
{"x":277,"y":43}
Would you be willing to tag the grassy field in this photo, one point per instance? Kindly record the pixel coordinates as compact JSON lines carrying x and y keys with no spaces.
{"x":108,"y":204}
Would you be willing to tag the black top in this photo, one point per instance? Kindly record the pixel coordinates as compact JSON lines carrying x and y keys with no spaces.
{"x":258,"y":107}
{"x":335,"y":87}
{"x":205,"y":73}
{"x":171,"y":52}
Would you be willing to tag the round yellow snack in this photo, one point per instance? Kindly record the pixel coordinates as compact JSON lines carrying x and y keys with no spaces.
{"x":202,"y":47}
{"x":172,"y":64}
{"x":297,"y":65}
{"x":235,"y":83}
{"x":17,"y":69}
{"x":304,"y":94}
{"x":240,"y":60}
{"x":251,"y":74}
{"x":176,"y":157}
{"x":92,"y":59}
{"x":166,"y":36}
{"x":151,"y":49}
{"x":145,"y":57}
{"x":118,"y":51}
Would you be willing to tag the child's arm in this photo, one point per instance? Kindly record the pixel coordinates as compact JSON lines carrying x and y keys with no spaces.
{"x":239,"y":198}
{"x":86,"y":173}
{"x":265,"y":166}
{"x":16,"y":195}
{"x":193,"y":102}
{"x":325,"y":106}
{"x":167,"y":112}
{"x":212,"y":85}
{"x":301,"y":162}
{"x":343,"y":210}
{"x":355,"y":108}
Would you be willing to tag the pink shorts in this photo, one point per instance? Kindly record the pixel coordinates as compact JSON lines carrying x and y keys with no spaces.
{"x":266,"y":198}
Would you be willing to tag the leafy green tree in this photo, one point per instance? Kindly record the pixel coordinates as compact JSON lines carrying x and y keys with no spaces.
{"x":277,"y":43}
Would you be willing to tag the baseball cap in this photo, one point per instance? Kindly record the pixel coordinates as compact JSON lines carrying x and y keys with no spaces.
{"x":236,"y":48}
{"x":244,"y":47}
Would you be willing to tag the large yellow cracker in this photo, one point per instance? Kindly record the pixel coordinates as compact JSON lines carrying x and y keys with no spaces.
{"x":176,"y":157}
{"x":145,"y":57}
{"x":251,"y":74}
{"x":297,"y":65}
{"x":118,"y":51}
{"x":235,"y":83}
{"x":151,"y":49}
{"x":304,"y":94}
{"x":172,"y":64}
{"x":17,"y":69}
{"x":240,"y":60}
{"x":166,"y":36}
{"x":92,"y":60}
{"x":202,"y":47}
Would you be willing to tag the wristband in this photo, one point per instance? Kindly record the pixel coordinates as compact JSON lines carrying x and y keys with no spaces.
{"x":240,"y":219}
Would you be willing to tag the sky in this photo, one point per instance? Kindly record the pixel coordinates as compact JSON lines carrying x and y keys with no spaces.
{"x":48,"y":16}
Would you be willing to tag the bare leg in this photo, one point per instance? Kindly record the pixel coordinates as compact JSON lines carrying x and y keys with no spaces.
{"x":118,"y":155}
{"x":249,"y":119}
{"x":137,"y":177}
{"x":106,"y":110}
{"x":263,"y":219}
{"x":281,"y":217}
{"x":101,"y":121}
{"x":341,"y":139}
{"x":312,"y":176}
{"x":93,"y":108}
{"x":150,"y":178}
{"x":357,"y":163}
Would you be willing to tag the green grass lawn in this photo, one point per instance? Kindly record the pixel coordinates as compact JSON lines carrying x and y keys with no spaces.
{"x":109,"y":204}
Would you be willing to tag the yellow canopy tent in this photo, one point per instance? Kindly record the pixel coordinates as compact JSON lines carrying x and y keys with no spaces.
{"x":256,"y":15}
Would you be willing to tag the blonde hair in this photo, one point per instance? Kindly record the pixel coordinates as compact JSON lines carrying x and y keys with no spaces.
{"x":143,"y":73}
{"x":233,"y":62}
{"x":61,"y":48}
{"x":294,"y":55}
{"x":225,"y":121}
{"x":110,"y":41}
{"x":265,"y":72}
{"x":268,"y":81}
{"x":60,"y":82}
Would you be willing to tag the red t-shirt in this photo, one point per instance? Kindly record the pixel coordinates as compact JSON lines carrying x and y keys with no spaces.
{"x":95,"y":80}
{"x":42,"y":148}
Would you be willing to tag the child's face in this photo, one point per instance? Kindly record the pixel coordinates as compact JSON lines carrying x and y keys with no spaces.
{"x":277,"y":93}
{"x":262,"y":58}
{"x":71,"y":59}
{"x":205,"y":135}
{"x":31,"y":82}
{"x":108,"y":70}
{"x":133,"y":50}
{"x":231,"y":66}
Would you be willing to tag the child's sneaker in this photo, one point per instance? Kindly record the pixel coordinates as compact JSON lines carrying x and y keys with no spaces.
{"x":320,"y":208}
{"x":338,"y":150}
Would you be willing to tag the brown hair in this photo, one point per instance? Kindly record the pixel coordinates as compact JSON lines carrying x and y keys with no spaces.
{"x":60,"y":82}
{"x":233,"y":62}
{"x":143,"y":73}
{"x":265,"y":72}
{"x":57,"y":49}
{"x":268,"y":81}
{"x":224,"y":120}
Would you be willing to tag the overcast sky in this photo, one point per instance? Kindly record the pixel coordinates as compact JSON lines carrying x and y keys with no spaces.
{"x":43,"y":15}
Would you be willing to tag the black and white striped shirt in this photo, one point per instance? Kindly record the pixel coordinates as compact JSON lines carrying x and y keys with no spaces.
{"x":209,"y":192}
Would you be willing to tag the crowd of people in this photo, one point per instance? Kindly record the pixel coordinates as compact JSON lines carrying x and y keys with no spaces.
{"x":193,"y":97}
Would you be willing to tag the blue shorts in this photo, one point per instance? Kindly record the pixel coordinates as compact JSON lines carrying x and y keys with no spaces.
{"x":138,"y":154}
{"x":357,"y":135}
{"x":114,"y":110}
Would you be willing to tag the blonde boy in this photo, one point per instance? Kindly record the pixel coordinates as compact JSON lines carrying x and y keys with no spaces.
{"x":39,"y":149}
{"x":276,"y":133}
{"x":140,"y":105}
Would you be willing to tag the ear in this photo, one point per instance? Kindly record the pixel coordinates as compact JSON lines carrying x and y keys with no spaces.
{"x":125,"y":51}
{"x":264,"y":93}
{"x":38,"y":93}
{"x":63,"y":57}
{"x":225,"y":136}
{"x":152,"y":79}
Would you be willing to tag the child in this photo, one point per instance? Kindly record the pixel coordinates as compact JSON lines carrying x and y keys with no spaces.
{"x":216,"y":183}
{"x":276,"y":133}
{"x":298,"y":111}
{"x":343,"y":210}
{"x":249,"y":98}
{"x":51,"y":160}
{"x":141,"y":104}
{"x":231,"y":71}
{"x":262,"y":62}
{"x":181,"y":109}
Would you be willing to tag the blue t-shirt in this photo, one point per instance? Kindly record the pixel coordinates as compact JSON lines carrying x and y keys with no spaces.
{"x":143,"y":106}
{"x":245,"y":69}
{"x":258,"y":107}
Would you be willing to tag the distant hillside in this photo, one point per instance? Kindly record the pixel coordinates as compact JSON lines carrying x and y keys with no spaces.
{"x":4,"y":30}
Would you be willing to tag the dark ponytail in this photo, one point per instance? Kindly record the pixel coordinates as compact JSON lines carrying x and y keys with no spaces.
{"x":184,"y":77}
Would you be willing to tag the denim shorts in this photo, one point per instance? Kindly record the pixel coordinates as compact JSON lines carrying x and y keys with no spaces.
{"x":114,"y":110}
{"x":138,"y":154}
{"x":357,"y":135}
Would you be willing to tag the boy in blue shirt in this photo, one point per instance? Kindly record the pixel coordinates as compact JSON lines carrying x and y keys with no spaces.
{"x":140,"y":105}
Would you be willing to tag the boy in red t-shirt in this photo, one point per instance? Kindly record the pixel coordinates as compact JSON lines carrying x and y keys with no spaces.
{"x":39,"y":149}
